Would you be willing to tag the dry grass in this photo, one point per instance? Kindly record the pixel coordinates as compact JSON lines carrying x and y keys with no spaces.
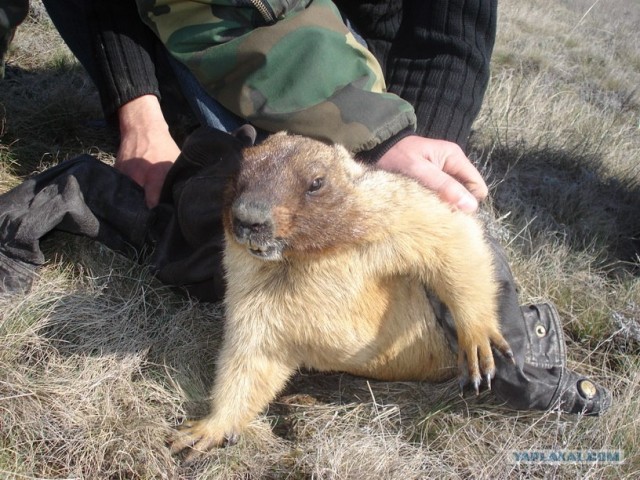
{"x":99,"y":361}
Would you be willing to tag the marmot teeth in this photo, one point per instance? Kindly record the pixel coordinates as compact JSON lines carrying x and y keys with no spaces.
{"x":255,"y":247}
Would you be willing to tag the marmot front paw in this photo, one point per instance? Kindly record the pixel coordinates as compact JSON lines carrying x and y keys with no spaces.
{"x":475,"y":358}
{"x":199,"y":437}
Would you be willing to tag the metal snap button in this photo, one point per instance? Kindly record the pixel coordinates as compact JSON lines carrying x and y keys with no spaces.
{"x":587,"y":389}
{"x":540,"y":330}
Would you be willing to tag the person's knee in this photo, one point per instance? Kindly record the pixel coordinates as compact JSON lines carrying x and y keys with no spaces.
{"x":12,"y":14}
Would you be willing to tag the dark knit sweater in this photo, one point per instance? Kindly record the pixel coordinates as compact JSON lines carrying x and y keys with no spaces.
{"x":435,"y":55}
{"x":125,"y":51}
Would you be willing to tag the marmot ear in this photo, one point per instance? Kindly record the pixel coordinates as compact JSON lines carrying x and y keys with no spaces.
{"x":246,"y":134}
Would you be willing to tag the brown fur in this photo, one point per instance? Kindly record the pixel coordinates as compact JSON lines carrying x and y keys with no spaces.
{"x":337,"y":283}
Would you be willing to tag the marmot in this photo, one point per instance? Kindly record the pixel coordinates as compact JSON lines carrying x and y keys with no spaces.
{"x":327,"y":261}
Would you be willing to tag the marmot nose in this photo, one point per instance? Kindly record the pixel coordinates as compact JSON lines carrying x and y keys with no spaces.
{"x":251,"y":219}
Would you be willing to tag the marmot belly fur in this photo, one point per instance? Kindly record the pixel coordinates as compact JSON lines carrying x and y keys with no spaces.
{"x":327,"y":262}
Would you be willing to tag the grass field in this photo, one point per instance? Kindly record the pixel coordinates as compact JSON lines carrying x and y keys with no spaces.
{"x":99,"y":361}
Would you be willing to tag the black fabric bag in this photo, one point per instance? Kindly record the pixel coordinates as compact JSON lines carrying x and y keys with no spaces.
{"x":85,"y":196}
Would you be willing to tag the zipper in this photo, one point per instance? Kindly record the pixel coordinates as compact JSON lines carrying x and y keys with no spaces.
{"x":265,"y":10}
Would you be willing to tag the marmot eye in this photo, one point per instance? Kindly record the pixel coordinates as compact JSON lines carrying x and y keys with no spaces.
{"x":316,"y":185}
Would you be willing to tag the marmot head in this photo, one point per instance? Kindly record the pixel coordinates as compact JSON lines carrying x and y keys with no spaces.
{"x":294,"y":195}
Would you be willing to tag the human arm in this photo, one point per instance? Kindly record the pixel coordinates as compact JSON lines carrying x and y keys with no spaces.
{"x":147,"y":150}
{"x":436,"y":56}
{"x":119,"y":53}
{"x":356,"y":113}
{"x":440,"y":166}
{"x":125,"y":53}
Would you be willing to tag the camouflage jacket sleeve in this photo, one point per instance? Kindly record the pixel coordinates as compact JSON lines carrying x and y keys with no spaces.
{"x":283,"y":65}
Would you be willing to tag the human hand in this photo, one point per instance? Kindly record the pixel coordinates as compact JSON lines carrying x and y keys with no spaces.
{"x":147,"y":150}
{"x":440,"y":166}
